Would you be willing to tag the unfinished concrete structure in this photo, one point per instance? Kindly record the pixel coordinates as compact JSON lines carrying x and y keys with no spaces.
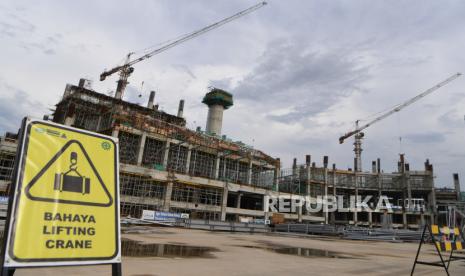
{"x":8,"y":145}
{"x":166,"y":166}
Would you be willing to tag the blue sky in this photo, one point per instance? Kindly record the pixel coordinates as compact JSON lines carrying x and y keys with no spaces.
{"x":301,"y":72}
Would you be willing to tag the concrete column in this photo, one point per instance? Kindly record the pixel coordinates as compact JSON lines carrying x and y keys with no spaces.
{"x":188,"y":158}
{"x":69,"y":121}
{"x":356,"y":197}
{"x":166,"y":154}
{"x":97,"y":128}
{"x":404,"y":219}
{"x":151,"y":100}
{"x":238,"y":203}
{"x":409,"y":196}
{"x":181,"y":108}
{"x":409,"y":190}
{"x":266,"y":213}
{"x":224,"y":203}
{"x":217,"y":166}
{"x":237,"y":170}
{"x":249,"y":173}
{"x":432,"y":203}
{"x":370,"y":219}
{"x":277,"y":175}
{"x":299,"y":213}
{"x":326,"y":196}
{"x":115,"y":132}
{"x":167,"y":199}
{"x":333,"y":214}
{"x":422,"y":220}
{"x":386,"y":221}
{"x":224,"y":169}
{"x":141,"y":148}
{"x":215,"y":119}
{"x":457,"y":186}
{"x":334,"y":180}
{"x":294,"y":168}
{"x":308,"y":171}
{"x":380,"y":183}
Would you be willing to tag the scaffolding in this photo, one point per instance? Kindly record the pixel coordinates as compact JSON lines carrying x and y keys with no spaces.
{"x":419,"y":181}
{"x":7,"y":160}
{"x":177,"y":158}
{"x":153,"y":153}
{"x":141,"y":186}
{"x":202,"y":164}
{"x":227,"y":169}
{"x":135,"y":190}
{"x":368,"y":181}
{"x":290,"y":181}
{"x":345,"y":180}
{"x":318,"y":174}
{"x":262,"y":177}
{"x":196,"y":194}
{"x":391,"y":182}
{"x":128,"y":147}
{"x":87,"y":117}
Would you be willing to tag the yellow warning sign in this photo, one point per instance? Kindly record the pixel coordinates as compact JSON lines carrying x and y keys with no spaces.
{"x":66,"y":205}
{"x":68,"y":178}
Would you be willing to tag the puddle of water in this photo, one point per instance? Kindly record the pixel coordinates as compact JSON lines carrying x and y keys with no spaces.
{"x":305,"y":252}
{"x":309,"y":252}
{"x":144,"y":230}
{"x":133,"y":248}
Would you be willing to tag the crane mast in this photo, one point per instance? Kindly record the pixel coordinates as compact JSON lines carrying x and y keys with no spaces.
{"x":358,"y":134}
{"x":126,"y":69}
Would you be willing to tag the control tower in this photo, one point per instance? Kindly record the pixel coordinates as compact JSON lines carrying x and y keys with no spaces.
{"x":217,"y":100}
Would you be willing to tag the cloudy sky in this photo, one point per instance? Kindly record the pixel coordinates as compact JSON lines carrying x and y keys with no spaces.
{"x":301,"y":72}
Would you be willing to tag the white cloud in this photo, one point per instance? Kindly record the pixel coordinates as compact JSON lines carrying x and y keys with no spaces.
{"x":301,"y":71}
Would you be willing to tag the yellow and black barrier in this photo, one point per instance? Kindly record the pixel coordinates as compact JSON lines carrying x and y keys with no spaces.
{"x":444,"y":239}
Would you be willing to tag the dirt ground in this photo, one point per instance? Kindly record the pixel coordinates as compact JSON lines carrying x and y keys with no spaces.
{"x":259,"y":254}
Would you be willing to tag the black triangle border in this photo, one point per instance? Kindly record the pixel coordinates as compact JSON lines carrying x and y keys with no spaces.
{"x":49,"y":163}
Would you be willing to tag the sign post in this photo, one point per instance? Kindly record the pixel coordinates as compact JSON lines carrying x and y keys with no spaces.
{"x":64,"y":199}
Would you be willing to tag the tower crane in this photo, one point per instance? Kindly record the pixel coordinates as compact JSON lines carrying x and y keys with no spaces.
{"x":126,"y":69}
{"x":358,"y":134}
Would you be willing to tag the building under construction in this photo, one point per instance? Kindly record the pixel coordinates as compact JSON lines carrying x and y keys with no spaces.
{"x":166,"y":166}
